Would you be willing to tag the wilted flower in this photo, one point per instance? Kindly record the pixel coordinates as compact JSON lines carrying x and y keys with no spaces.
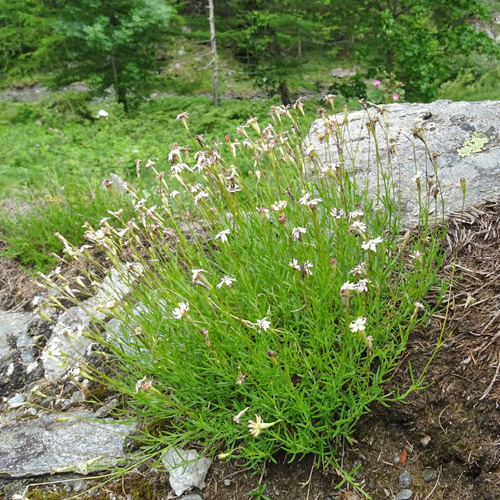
{"x":240,"y":379}
{"x":305,"y":268}
{"x":258,"y":426}
{"x":358,"y":325}
{"x":237,"y":418}
{"x":263,"y":324}
{"x":181,"y":310}
{"x":222,"y":236}
{"x":143,"y":385}
{"x":182,"y":117}
{"x":226,"y":280}
{"x":297,"y":232}
{"x":371,"y":245}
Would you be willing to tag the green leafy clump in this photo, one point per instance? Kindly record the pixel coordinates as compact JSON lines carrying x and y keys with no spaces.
{"x":265,"y":311}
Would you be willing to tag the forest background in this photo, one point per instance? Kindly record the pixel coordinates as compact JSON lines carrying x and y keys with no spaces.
{"x":123,"y":52}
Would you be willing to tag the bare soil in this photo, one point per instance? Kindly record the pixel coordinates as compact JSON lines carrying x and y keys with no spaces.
{"x":446,"y":436}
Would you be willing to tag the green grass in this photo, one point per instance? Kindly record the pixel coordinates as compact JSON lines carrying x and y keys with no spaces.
{"x":39,"y":144}
{"x":30,"y":236}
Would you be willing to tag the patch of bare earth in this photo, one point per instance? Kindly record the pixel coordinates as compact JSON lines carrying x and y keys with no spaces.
{"x":446,"y":437}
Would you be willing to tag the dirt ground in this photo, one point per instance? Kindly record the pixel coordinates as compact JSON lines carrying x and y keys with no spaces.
{"x":446,"y":437}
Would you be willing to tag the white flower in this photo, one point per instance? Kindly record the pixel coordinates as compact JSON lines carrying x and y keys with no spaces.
{"x":279,"y":205}
{"x":222,"y":236}
{"x":178,"y":168}
{"x":233,"y":188}
{"x":337,"y":213}
{"x":181,"y":310}
{"x":356,"y":214}
{"x":174,"y":193}
{"x":294,"y":264}
{"x":305,"y":199}
{"x":417,"y":255}
{"x":226,"y":280}
{"x":174,"y":154}
{"x":359,"y":270}
{"x":358,"y":227}
{"x":297,"y":231}
{"x":362,"y":285}
{"x":196,"y":187}
{"x":196,"y":273}
{"x":358,"y":325}
{"x":371,"y":245}
{"x":200,"y":196}
{"x":263,"y":324}
{"x":102,"y":114}
{"x":347,"y":286}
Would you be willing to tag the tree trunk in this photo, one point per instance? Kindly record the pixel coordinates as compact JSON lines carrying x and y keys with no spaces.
{"x":285,"y":98}
{"x":121,"y":97}
{"x":213,"y":45}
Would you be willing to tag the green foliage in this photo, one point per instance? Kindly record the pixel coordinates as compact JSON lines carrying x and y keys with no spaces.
{"x":30,"y":236}
{"x":108,"y":43}
{"x":39,"y":142}
{"x":22,"y":25}
{"x":417,"y":40}
{"x":238,"y":321}
{"x":468,"y":86}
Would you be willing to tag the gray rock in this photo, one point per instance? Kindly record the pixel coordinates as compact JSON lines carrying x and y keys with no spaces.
{"x":192,"y":497}
{"x":405,"y":480}
{"x":404,"y":495}
{"x":465,"y":136}
{"x":186,"y":468}
{"x":429,"y":475}
{"x":12,"y":326}
{"x":342,"y":72}
{"x":68,"y":344}
{"x":46,"y":445}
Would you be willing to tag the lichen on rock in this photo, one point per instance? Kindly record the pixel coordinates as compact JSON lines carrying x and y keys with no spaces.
{"x":473,"y":145}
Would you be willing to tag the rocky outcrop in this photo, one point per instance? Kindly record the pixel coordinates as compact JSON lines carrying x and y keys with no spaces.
{"x":463,"y":137}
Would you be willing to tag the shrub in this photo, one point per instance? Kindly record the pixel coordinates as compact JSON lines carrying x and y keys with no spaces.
{"x":264,"y":312}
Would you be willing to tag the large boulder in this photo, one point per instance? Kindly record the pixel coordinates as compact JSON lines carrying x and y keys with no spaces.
{"x":464,"y":137}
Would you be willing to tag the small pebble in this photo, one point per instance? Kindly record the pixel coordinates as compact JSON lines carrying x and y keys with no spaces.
{"x":425,"y":441}
{"x":32,"y":411}
{"x":16,"y":401}
{"x":77,"y":396}
{"x":227,"y":482}
{"x":192,"y":497}
{"x":404,"y":495}
{"x":405,"y":480}
{"x":429,"y":475}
